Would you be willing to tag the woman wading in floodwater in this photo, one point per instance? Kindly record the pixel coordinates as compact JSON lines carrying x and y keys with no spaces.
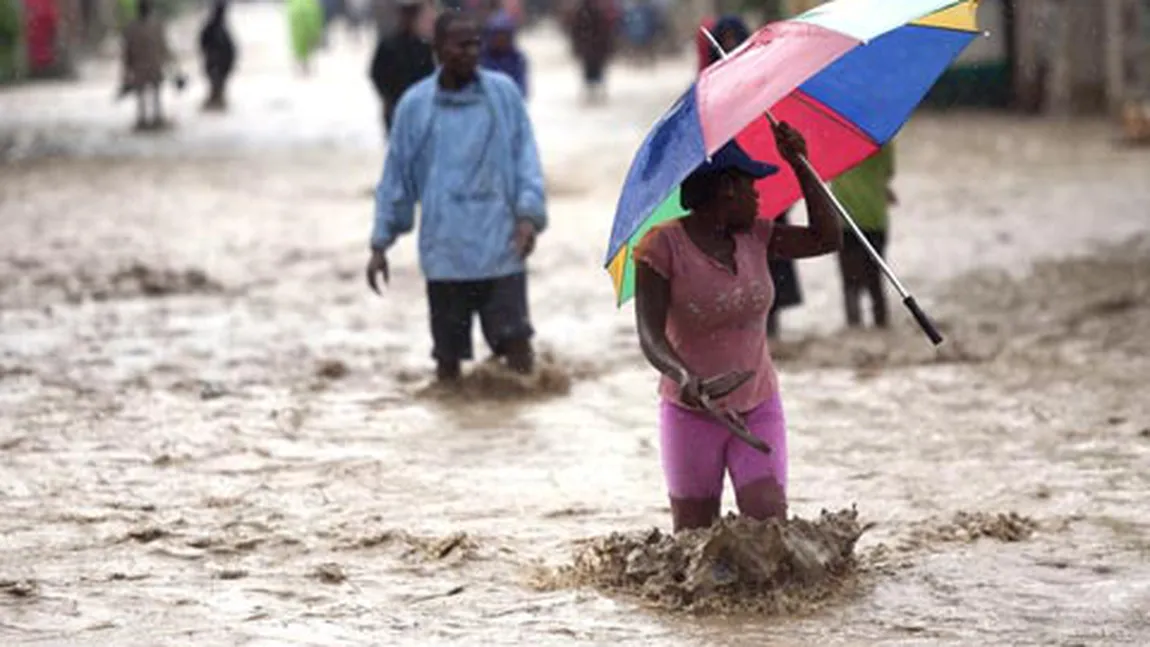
{"x":703,"y":291}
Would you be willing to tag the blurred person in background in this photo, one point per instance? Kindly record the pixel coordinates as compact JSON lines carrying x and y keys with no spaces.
{"x":146,"y":56}
{"x":867,"y":194}
{"x":11,"y":39}
{"x":500,"y":53}
{"x":306,"y":26}
{"x":218,"y":49}
{"x":383,"y":15}
{"x":593,"y":40}
{"x":462,"y":147}
{"x":640,"y":26}
{"x":401,"y":59}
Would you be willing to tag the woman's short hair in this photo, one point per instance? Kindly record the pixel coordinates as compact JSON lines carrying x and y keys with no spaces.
{"x":699,"y":189}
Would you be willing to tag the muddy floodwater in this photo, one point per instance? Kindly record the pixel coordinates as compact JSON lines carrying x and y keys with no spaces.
{"x":212,"y":433}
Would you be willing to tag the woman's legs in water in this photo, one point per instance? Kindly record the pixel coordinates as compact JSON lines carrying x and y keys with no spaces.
{"x":693,"y":451}
{"x":697,"y":451}
{"x":761,"y":480}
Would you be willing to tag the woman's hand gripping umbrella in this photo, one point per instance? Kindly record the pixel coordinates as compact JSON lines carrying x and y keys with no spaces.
{"x":704,"y":393}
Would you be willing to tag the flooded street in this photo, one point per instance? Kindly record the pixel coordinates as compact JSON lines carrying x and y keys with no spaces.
{"x":212,"y":433}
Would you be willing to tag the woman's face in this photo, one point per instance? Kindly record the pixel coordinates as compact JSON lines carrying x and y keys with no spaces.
{"x":742,"y":201}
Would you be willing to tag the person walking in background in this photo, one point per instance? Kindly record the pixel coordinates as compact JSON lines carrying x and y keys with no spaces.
{"x":640,"y":26}
{"x":401,"y":60}
{"x":219,"y":53}
{"x":146,"y":55}
{"x":730,"y":31}
{"x":462,"y":147}
{"x":500,"y":53}
{"x":593,"y":39}
{"x":785,"y":276}
{"x":866,"y":193}
{"x":11,"y":39}
{"x":306,"y":25}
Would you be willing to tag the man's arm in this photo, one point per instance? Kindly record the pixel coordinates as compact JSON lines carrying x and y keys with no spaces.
{"x":530,"y":197}
{"x":395,"y":196}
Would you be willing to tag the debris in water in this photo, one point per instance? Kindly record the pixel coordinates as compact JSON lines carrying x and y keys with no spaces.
{"x":330,"y":573}
{"x":433,"y":596}
{"x":737,"y":564}
{"x":332,"y":369}
{"x":492,"y":380}
{"x":231,"y":574}
{"x":212,"y":390}
{"x":136,"y":279}
{"x":147,"y":535}
{"x":972,"y":526}
{"x":125,"y":577}
{"x":19,"y":588}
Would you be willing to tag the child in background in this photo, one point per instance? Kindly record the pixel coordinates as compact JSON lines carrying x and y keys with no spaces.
{"x":500,"y":54}
{"x":866,"y":193}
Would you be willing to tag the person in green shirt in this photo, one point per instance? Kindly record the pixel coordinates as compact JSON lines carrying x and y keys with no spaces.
{"x":11,"y":39}
{"x":866,"y":193}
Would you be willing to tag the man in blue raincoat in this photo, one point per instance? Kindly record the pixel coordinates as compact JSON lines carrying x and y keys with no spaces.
{"x":462,"y":147}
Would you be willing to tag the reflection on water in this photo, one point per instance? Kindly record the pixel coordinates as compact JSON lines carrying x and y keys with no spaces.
{"x":213,"y":433}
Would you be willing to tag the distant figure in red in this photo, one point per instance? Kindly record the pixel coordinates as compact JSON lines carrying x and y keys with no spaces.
{"x":42,"y":22}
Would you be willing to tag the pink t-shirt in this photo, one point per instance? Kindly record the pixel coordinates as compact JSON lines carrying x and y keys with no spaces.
{"x":717,"y":320}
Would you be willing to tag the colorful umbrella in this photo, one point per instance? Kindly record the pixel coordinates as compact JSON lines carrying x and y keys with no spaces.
{"x":847,"y":74}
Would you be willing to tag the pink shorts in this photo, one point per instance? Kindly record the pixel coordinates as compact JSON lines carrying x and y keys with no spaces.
{"x":697,"y":450}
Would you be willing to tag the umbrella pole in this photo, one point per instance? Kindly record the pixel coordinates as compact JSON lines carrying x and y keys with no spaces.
{"x":908,"y":299}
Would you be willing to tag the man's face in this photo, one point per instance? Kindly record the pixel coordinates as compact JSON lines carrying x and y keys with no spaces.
{"x":743,"y":202}
{"x":458,"y":52}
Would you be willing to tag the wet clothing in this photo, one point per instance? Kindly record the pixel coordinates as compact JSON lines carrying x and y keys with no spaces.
{"x":717,"y":319}
{"x":400,"y":61}
{"x":511,"y":61}
{"x":501,"y":304}
{"x":697,"y":450}
{"x":146,"y":53}
{"x":219,"y":52}
{"x":469,"y":158}
{"x":863,"y":190}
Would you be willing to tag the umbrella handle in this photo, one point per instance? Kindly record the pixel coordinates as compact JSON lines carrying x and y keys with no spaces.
{"x":908,"y":300}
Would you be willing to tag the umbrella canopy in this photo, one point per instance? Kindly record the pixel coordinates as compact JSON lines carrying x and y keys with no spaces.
{"x":847,"y":74}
